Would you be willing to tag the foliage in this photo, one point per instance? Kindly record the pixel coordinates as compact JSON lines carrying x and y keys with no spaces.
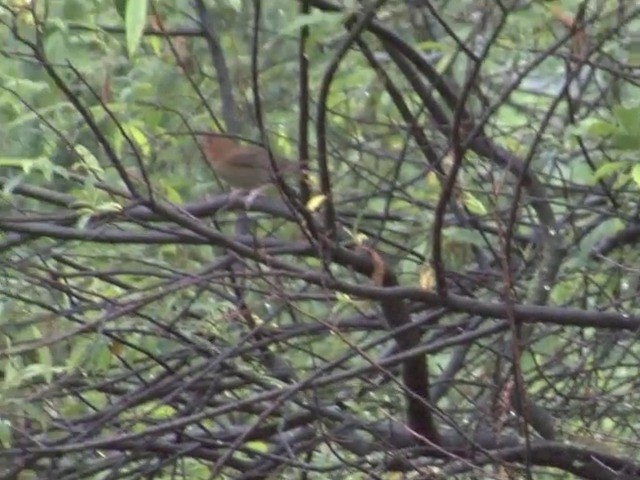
{"x":450,"y":291}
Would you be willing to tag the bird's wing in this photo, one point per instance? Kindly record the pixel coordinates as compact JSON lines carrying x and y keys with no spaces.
{"x":255,"y":159}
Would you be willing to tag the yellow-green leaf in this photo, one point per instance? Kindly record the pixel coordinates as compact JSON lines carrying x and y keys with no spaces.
{"x":139,"y":138}
{"x":608,"y":169}
{"x":87,"y":160}
{"x":635,"y":173}
{"x":258,"y":446}
{"x":315,"y":202}
{"x":108,"y":207}
{"x":474,"y":205}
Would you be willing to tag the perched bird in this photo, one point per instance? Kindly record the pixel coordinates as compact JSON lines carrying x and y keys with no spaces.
{"x":246,"y":167}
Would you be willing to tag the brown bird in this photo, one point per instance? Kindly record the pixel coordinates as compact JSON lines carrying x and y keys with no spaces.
{"x":247,"y":167}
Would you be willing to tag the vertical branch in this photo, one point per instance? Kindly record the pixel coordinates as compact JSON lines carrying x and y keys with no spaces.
{"x":229,"y":107}
{"x":303,"y":106}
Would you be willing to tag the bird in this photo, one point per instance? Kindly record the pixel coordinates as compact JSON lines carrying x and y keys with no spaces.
{"x":246,"y":167}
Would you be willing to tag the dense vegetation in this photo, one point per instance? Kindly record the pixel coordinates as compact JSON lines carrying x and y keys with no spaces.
{"x":449,"y":291}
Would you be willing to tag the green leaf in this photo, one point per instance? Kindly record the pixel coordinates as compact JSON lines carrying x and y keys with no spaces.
{"x":41,"y":164}
{"x":629,"y":118}
{"x":607,"y":169}
{"x":87,"y":160}
{"x":139,"y":138}
{"x":635,"y":173}
{"x":36,"y":370}
{"x":258,"y":446}
{"x":99,"y":355}
{"x":527,"y":362}
{"x":171,"y":193}
{"x":599,"y":233}
{"x":11,"y":376}
{"x":56,"y":46}
{"x":44,"y":355}
{"x":600,"y":128}
{"x":433,"y":46}
{"x":134,"y":23}
{"x":625,"y":141}
{"x":78,"y":355}
{"x":5,"y":433}
{"x":581,"y":172}
{"x":474,"y":205}
{"x":26,"y":86}
{"x":315,"y":202}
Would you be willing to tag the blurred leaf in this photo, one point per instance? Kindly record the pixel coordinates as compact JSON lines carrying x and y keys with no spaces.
{"x":432,"y":180}
{"x":157,"y":23}
{"x":607,"y":169}
{"x":357,"y":237}
{"x":56,"y":46}
{"x":566,"y":289}
{"x":5,"y":433}
{"x":78,"y":354}
{"x":170,"y":192}
{"x":434,"y":46}
{"x":39,"y":370}
{"x":11,"y":375}
{"x":600,"y":232}
{"x":44,"y":356}
{"x":99,"y":355}
{"x":315,"y":202}
{"x":87,"y":161}
{"x":474,"y":205}
{"x":625,"y":141}
{"x":135,"y":21}
{"x":581,"y":172}
{"x":527,"y":362}
{"x":629,"y":118}
{"x":138,"y":137}
{"x":635,"y":173}
{"x":258,"y":446}
{"x":26,"y":164}
{"x":25,"y":85}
